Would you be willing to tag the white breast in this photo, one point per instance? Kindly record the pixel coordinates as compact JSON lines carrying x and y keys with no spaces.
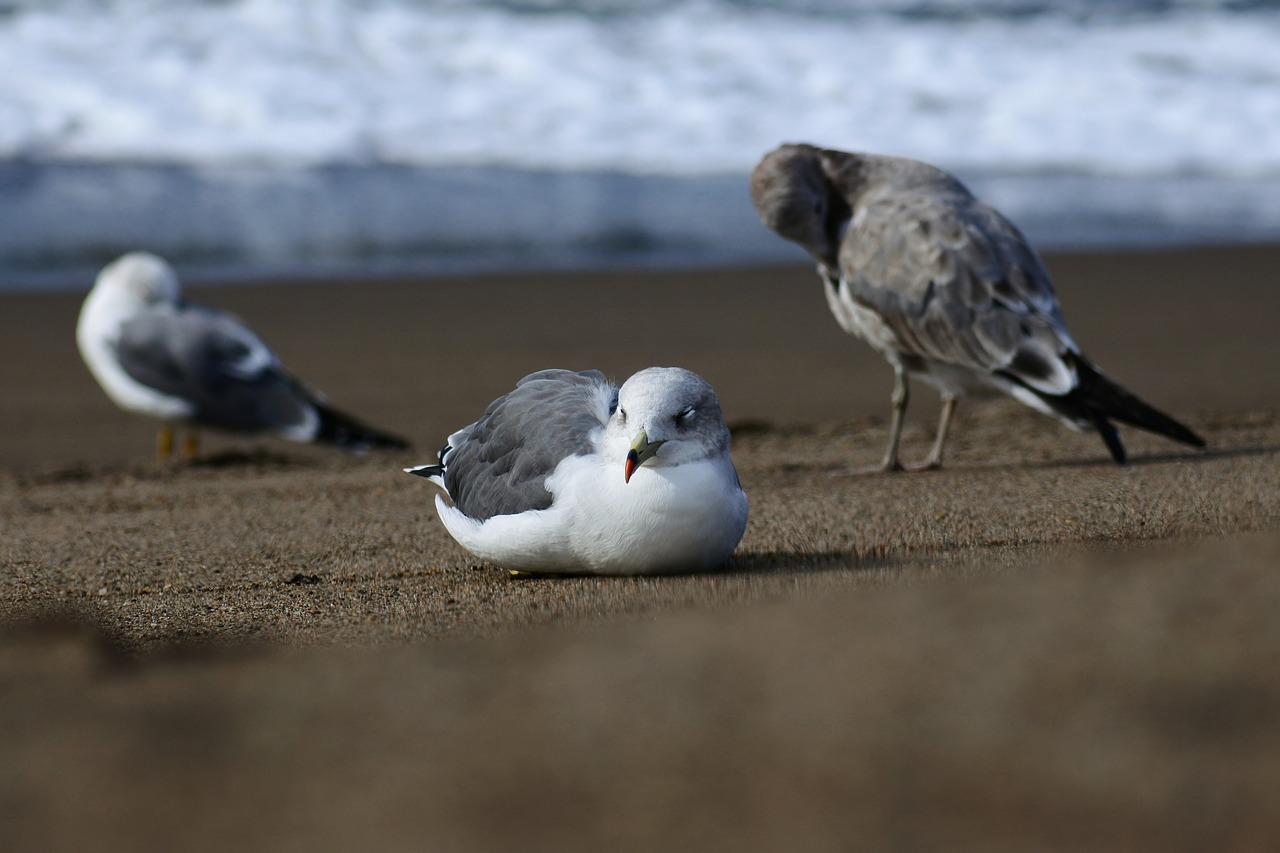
{"x":683,"y":517}
{"x":97,"y":331}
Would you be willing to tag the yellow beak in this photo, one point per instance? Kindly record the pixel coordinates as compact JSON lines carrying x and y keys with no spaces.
{"x":642,"y":450}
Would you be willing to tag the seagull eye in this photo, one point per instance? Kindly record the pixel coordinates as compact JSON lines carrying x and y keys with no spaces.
{"x":622,"y":416}
{"x":683,"y":416}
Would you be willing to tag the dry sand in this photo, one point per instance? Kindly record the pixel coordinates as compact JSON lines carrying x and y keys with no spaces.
{"x":279,"y":647}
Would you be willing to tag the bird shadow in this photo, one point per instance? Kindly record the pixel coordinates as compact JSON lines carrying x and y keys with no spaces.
{"x":1099,"y":461}
{"x":782,"y":562}
{"x":748,"y":564}
{"x":1138,"y":461}
{"x":254,"y":458}
{"x":229,"y":460}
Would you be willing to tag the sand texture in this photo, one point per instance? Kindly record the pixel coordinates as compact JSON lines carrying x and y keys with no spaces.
{"x":279,"y":647}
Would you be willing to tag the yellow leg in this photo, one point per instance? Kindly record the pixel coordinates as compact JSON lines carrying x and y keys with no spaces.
{"x":164,"y":444}
{"x":191,"y":447}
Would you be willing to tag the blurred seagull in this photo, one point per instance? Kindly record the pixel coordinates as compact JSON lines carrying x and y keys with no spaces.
{"x":944,"y":287}
{"x":158,"y":355}
{"x":569,"y":473}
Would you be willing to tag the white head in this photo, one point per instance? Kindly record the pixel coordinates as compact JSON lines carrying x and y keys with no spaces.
{"x":665,"y":416}
{"x":142,"y":276}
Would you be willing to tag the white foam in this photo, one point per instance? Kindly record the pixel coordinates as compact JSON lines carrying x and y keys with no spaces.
{"x":460,"y":134}
{"x":693,"y":87}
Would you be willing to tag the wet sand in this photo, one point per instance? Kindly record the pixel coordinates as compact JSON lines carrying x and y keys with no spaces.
{"x":279,"y":646}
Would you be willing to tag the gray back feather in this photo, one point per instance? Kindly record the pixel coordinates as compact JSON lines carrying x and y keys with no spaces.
{"x":214,"y":362}
{"x":499,"y":465}
{"x":954,"y":280}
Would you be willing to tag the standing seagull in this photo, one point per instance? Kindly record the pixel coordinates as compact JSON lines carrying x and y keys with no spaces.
{"x":157,"y":355}
{"x":569,"y":473}
{"x":944,"y":287}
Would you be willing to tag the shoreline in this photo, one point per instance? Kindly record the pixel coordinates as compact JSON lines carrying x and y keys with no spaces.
{"x":64,"y":220}
{"x":423,"y":357}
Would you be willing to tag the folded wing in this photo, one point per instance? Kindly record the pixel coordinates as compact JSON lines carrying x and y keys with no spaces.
{"x":499,"y":465}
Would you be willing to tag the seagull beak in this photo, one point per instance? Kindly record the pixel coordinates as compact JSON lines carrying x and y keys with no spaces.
{"x":642,"y":450}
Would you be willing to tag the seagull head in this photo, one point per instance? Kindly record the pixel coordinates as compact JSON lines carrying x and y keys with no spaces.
{"x":795,"y":198}
{"x":141,"y":276}
{"x":665,"y":416}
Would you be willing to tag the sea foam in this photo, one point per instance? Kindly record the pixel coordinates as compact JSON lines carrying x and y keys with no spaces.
{"x":1117,"y":98}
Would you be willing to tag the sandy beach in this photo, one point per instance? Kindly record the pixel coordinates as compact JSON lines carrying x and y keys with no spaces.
{"x":279,"y":647}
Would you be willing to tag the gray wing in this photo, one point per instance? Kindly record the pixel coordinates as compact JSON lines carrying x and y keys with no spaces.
{"x":499,"y":465}
{"x":957,"y":283}
{"x":216,"y":363}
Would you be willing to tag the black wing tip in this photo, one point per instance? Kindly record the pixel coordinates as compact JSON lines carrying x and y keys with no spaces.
{"x":1179,"y":432}
{"x":1101,"y":399}
{"x":348,"y":433}
{"x":425,"y":470}
{"x":1112,"y":438}
{"x":1154,"y":421}
{"x":1187,"y":437}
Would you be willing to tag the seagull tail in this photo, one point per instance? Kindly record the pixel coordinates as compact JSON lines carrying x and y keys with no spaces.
{"x":346,"y":432}
{"x":1098,"y":399}
{"x":434,"y":471}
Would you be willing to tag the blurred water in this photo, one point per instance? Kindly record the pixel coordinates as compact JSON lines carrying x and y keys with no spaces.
{"x":296,"y":136}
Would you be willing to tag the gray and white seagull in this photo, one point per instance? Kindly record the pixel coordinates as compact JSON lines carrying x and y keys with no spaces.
{"x":158,"y":355}
{"x":569,"y":473}
{"x":944,"y":287}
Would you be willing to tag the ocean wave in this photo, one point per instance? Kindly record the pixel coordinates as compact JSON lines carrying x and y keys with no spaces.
{"x":688,"y":87}
{"x":305,"y":135}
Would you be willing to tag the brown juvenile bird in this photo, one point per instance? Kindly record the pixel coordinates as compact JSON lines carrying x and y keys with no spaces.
{"x":944,"y":287}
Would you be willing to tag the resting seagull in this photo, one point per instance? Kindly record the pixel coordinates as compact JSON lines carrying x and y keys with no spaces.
{"x":569,"y":473}
{"x":158,"y":355}
{"x":944,"y":287}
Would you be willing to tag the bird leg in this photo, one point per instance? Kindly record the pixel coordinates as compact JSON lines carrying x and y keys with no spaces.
{"x":164,"y":443}
{"x":899,"y":398}
{"x":934,"y":459}
{"x":191,"y":447}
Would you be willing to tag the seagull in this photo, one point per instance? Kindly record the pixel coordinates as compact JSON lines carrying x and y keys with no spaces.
{"x":570,"y":474}
{"x":944,"y":287}
{"x":158,"y":355}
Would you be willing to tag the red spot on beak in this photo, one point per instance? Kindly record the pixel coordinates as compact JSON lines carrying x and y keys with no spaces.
{"x":633,"y":462}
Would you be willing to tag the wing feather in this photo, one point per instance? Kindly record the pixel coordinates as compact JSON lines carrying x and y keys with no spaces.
{"x":499,"y":465}
{"x":216,"y":363}
{"x":956,"y":283}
